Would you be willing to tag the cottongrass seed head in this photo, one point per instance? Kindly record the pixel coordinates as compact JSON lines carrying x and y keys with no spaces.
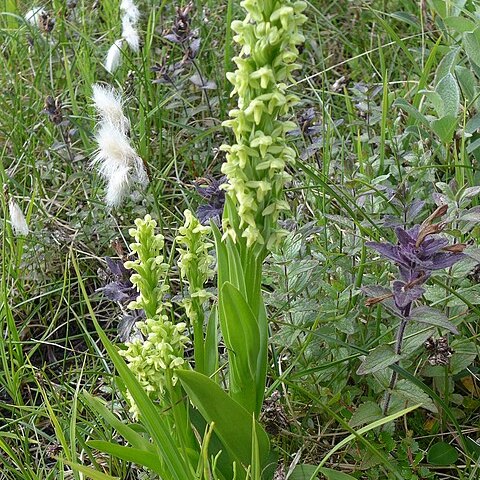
{"x":17,"y":219}
{"x":130,"y":17}
{"x":130,"y":34}
{"x":130,"y":11}
{"x":117,"y":161}
{"x":114,"y":56}
{"x":108,"y":103}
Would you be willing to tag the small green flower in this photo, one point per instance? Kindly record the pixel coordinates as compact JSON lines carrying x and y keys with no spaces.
{"x":268,"y":37}
{"x":195,"y":262}
{"x":162,"y":342}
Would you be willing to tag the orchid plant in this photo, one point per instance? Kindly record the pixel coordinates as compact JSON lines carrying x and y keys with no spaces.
{"x":221,"y":438}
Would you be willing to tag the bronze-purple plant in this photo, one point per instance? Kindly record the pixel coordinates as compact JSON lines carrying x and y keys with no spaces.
{"x":418,"y":253}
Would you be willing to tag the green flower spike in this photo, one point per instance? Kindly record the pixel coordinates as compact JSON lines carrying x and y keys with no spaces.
{"x":161,"y":349}
{"x":195,"y":267}
{"x":195,"y":261}
{"x":255,"y":164}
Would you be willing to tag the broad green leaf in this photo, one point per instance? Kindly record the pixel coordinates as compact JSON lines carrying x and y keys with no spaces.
{"x":432,"y":316}
{"x":90,"y":472}
{"x":211,"y":343}
{"x":471,"y":44}
{"x":436,"y":100}
{"x":221,"y":251}
{"x":445,"y":128}
{"x":460,"y":24}
{"x":331,"y":474}
{"x":411,"y":110}
{"x":473,"y":124}
{"x":446,"y":65}
{"x":467,"y":82}
{"x":149,"y":459}
{"x":442,"y":453}
{"x":464,"y":354}
{"x":449,"y":92}
{"x":378,"y":359}
{"x":365,"y":413}
{"x":232,"y":423}
{"x":440,"y":7}
{"x":305,"y":472}
{"x":243,"y":339}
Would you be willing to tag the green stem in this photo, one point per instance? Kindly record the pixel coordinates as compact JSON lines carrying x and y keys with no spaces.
{"x":198,"y":338}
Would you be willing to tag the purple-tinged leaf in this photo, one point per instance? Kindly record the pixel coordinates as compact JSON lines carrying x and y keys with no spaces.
{"x":387,"y":250}
{"x":404,"y":294}
{"x":116,"y":291}
{"x":414,"y":209}
{"x":445,"y":260}
{"x":404,"y":237}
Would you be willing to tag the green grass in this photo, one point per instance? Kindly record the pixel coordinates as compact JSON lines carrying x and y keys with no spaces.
{"x":367,"y":148}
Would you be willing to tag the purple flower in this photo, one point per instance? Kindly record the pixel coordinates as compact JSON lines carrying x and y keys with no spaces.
{"x":121,"y":289}
{"x":213,"y":210}
{"x":417,"y":254}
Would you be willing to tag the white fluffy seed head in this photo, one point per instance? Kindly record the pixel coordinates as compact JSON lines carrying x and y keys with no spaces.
{"x":33,"y":16}
{"x":17,"y":219}
{"x":109,"y":105}
{"x":130,"y":34}
{"x":118,"y":186}
{"x":130,"y":11}
{"x":114,"y":56}
{"x":114,"y":150}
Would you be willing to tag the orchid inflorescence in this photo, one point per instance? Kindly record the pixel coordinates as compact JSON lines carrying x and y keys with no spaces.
{"x":195,"y":262}
{"x":255,"y":166}
{"x":153,"y":357}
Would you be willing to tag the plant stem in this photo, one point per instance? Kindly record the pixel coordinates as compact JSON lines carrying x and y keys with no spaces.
{"x":398,"y":351}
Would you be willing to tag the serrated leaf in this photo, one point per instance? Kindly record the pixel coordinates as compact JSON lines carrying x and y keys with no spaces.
{"x":442,"y":453}
{"x":445,"y":128}
{"x":460,"y":24}
{"x":431,"y":316}
{"x":365,"y":413}
{"x":414,"y":395}
{"x":464,"y":354}
{"x":449,"y":92}
{"x":471,"y":44}
{"x":378,"y":359}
